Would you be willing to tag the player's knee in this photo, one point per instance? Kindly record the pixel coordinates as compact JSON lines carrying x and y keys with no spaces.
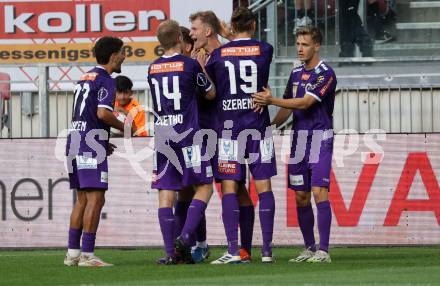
{"x":229,"y":187}
{"x":302,"y":199}
{"x":320,"y":194}
{"x":96,"y":202}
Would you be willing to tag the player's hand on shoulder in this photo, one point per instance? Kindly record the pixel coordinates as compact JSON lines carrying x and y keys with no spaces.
{"x":202,"y":58}
{"x":194,"y":53}
{"x":258,"y":108}
{"x":225,"y":31}
{"x":263,"y":98}
{"x":111,"y":148}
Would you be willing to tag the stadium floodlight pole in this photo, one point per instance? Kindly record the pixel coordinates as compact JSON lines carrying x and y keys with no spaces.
{"x":43,"y":99}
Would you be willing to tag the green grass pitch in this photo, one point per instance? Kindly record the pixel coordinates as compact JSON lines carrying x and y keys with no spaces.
{"x":351,"y":266}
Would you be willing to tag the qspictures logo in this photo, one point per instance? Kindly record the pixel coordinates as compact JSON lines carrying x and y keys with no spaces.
{"x":64,"y":31}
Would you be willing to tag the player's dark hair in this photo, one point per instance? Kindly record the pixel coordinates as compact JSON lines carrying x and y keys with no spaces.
{"x":105,"y":47}
{"x":186,"y":37}
{"x":123,"y":83}
{"x":209,"y":18}
{"x":312,"y":31}
{"x":242,"y":20}
{"x":168,"y":33}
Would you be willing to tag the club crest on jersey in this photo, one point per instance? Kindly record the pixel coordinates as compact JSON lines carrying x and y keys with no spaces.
{"x":201,"y":79}
{"x":102,"y":94}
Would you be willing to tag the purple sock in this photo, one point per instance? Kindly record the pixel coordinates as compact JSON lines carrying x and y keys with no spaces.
{"x":88,"y":242}
{"x":180,"y":213}
{"x":167,"y":222}
{"x":195,"y":213}
{"x":324,"y":224}
{"x":230,"y":215}
{"x":201,"y":229}
{"x":74,"y":238}
{"x":247,"y":218}
{"x":306,"y":222}
{"x":267,"y":213}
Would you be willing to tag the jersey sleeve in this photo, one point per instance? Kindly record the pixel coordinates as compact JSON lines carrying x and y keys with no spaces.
{"x":201,"y":80}
{"x":322,"y":86}
{"x":210,"y":67}
{"x":288,"y":92}
{"x":269,"y":53}
{"x":106,"y":93}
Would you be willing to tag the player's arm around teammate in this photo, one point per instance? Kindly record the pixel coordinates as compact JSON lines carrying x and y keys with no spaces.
{"x":310,"y":96}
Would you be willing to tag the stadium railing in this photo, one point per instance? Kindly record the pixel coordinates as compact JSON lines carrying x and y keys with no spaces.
{"x":394,"y":102}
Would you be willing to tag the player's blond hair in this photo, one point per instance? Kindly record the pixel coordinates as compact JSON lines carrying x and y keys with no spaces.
{"x":312,"y":31}
{"x":209,"y":18}
{"x":168,"y":34}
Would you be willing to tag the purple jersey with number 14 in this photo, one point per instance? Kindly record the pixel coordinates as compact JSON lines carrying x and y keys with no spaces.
{"x":174,"y":81}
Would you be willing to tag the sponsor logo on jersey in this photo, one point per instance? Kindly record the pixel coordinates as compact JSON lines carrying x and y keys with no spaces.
{"x":208,"y":171}
{"x":325,"y":87}
{"x":241,"y":51}
{"x":228,"y":168}
{"x":104,"y":177}
{"x":192,"y":157}
{"x":228,"y":150}
{"x":89,"y":76}
{"x":296,"y":180}
{"x":266,"y":149}
{"x":167,"y":67}
{"x":85,"y":163}
{"x":305,"y":76}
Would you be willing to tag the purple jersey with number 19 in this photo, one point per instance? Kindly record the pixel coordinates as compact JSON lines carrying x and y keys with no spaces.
{"x":239,"y":69}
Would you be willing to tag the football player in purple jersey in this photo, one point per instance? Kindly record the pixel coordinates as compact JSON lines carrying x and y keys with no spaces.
{"x":310,"y":97}
{"x":174,"y":80}
{"x":239,"y":69}
{"x":205,"y":28}
{"x":87,"y":149}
